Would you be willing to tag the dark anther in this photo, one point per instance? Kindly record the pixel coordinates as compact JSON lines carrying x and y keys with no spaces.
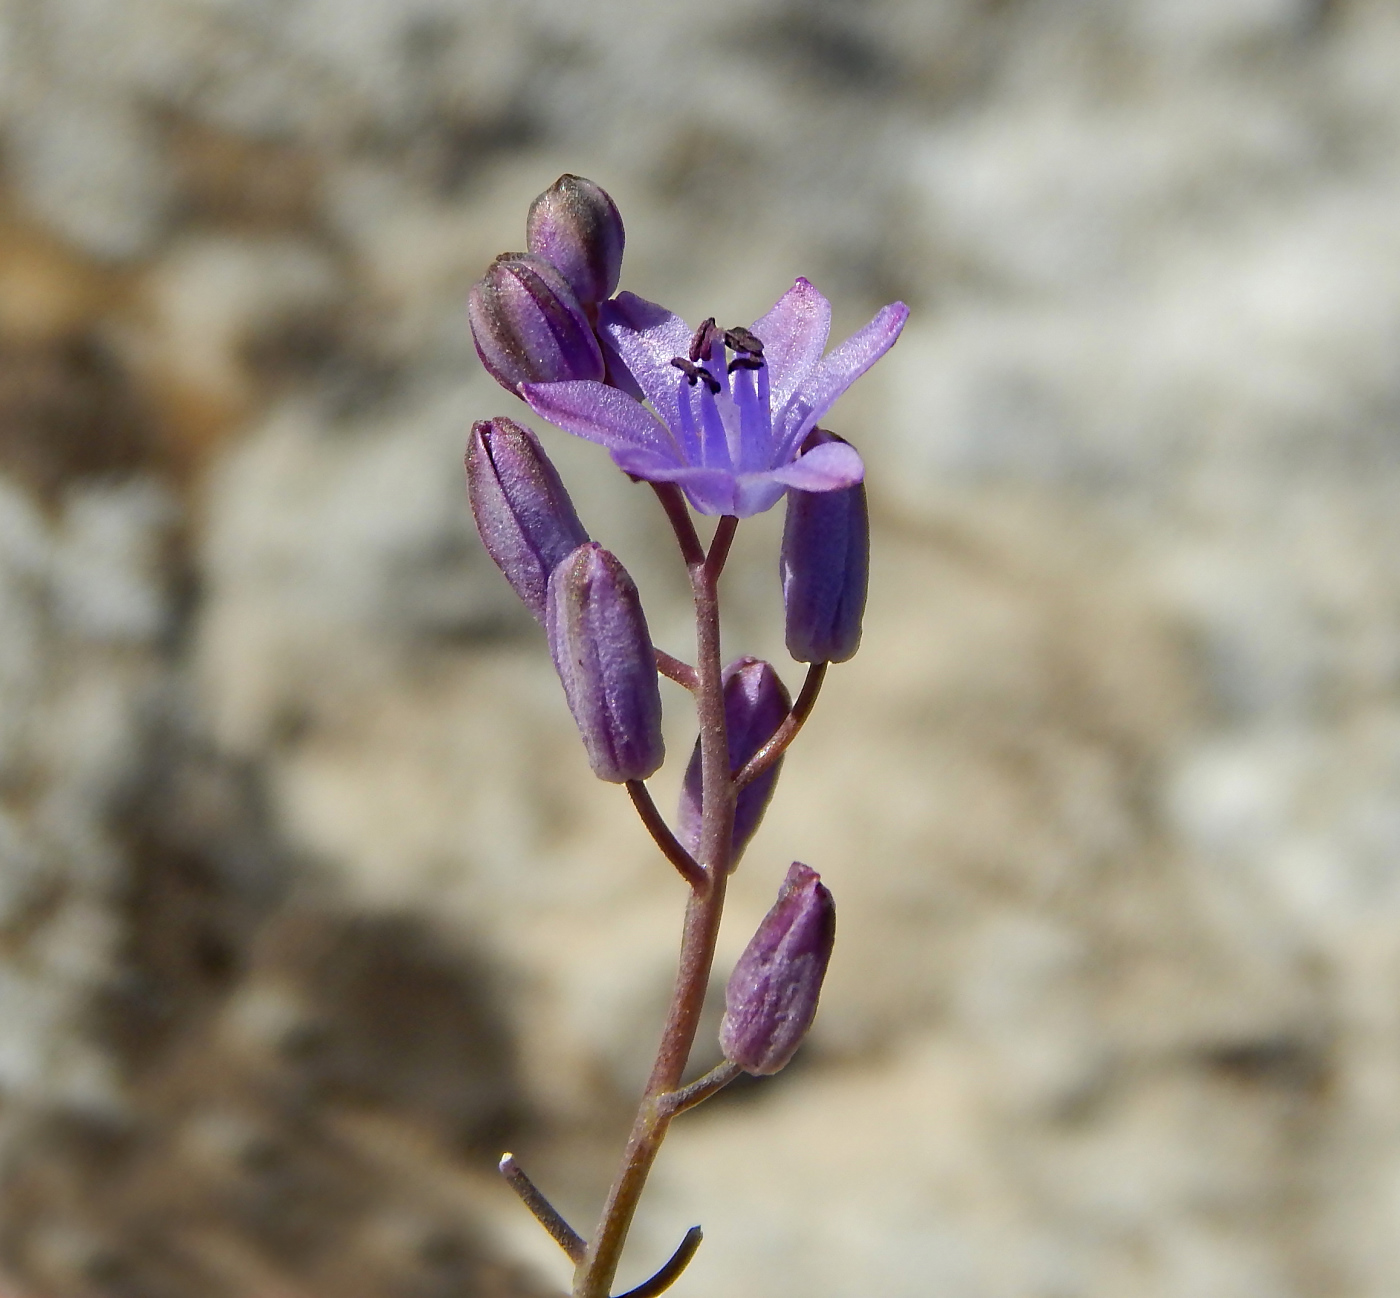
{"x":740,"y":339}
{"x":703,"y":339}
{"x":695,"y":374}
{"x":746,"y":363}
{"x":691,"y":370}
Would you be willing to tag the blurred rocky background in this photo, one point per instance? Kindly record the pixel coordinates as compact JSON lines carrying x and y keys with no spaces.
{"x":309,"y":906}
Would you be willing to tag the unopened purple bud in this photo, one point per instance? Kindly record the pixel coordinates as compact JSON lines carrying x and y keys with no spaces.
{"x":576,"y":227}
{"x":526,"y":519}
{"x":825,"y":568}
{"x":528,"y":326}
{"x":772,"y":994}
{"x":755,"y":705}
{"x":605,"y":659}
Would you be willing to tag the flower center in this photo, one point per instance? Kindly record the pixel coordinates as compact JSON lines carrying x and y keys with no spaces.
{"x":726,"y":424}
{"x":744,"y":343}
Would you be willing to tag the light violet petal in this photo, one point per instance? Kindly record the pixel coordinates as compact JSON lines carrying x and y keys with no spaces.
{"x":645,"y":336}
{"x":794,"y":336}
{"x":824,"y":468}
{"x":832,"y":376}
{"x":756,"y":494}
{"x":599,"y":414}
{"x":711,"y":491}
{"x":642,"y":462}
{"x":618,"y":375}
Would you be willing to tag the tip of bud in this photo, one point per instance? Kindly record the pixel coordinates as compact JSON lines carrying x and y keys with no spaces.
{"x":576,"y":227}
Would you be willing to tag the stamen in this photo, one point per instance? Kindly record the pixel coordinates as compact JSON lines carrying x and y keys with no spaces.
{"x":714,"y":431}
{"x":695,"y":374}
{"x":755,"y":419}
{"x":703,"y":339}
{"x":740,"y":339}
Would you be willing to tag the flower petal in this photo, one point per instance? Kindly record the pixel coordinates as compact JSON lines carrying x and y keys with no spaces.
{"x":794,"y":336}
{"x":600,"y":414}
{"x":645,"y":337}
{"x":832,"y":376}
{"x":711,"y":491}
{"x":828,"y":467}
{"x":756,"y":494}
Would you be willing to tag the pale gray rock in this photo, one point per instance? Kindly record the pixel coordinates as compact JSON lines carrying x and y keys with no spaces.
{"x":82,"y":602}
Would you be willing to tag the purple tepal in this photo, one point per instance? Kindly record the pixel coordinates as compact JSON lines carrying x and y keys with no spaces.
{"x":772,"y":994}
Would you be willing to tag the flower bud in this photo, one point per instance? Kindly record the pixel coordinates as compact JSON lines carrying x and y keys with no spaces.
{"x":772,"y":994}
{"x":576,"y":227}
{"x":603,"y":653}
{"x":525,"y":517}
{"x":755,"y":705}
{"x":528,"y":326}
{"x":825,"y":568}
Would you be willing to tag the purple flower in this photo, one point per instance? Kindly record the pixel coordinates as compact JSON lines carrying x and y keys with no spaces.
{"x":729,"y":432}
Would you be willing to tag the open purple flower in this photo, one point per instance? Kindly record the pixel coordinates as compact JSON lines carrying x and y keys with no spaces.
{"x":728,"y":432}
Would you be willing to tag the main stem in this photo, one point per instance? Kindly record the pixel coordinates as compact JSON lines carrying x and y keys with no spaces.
{"x":594,"y":1276}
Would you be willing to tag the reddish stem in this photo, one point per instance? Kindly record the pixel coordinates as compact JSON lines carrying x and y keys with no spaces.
{"x":719,"y":546}
{"x":787,"y":732}
{"x":667,"y":841}
{"x":674,"y":669}
{"x":673,"y":502}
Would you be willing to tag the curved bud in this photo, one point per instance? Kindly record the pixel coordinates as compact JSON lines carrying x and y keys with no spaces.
{"x":772,"y":994}
{"x":528,"y":326}
{"x":526,"y":519}
{"x":755,"y":704}
{"x":603,"y":653}
{"x":825,"y":568}
{"x":576,"y":227}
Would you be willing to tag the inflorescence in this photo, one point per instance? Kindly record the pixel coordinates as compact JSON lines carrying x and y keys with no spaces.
{"x":723,"y":422}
